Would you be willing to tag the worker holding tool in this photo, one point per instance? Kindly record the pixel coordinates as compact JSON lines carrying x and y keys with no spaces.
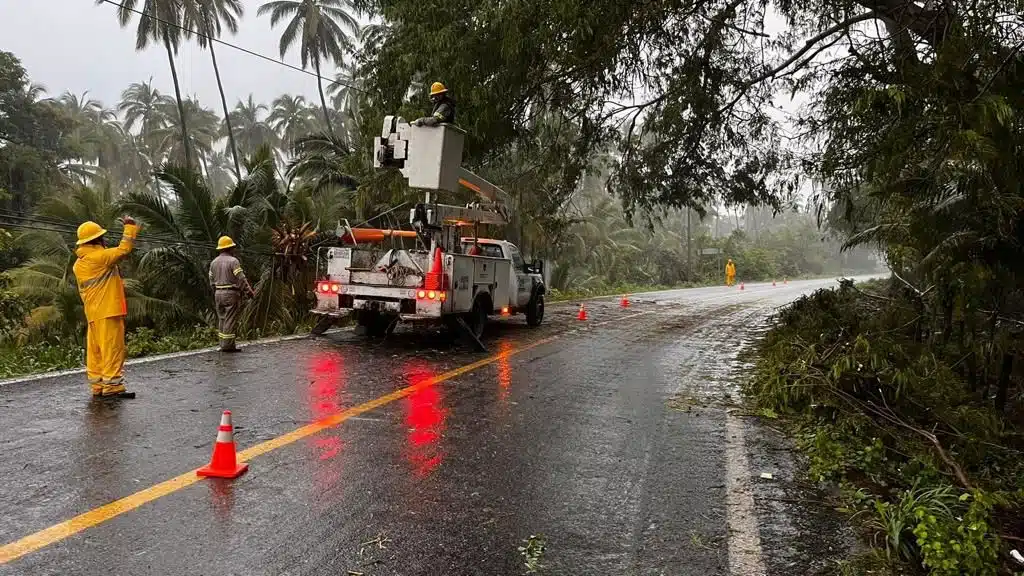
{"x":228,"y":283}
{"x":102,"y":291}
{"x":444,"y":107}
{"x":730,"y":273}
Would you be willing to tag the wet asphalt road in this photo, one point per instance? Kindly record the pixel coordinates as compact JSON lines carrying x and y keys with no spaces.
{"x":609,"y":440}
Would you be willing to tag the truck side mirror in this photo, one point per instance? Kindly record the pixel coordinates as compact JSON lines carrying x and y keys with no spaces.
{"x":537,"y":267}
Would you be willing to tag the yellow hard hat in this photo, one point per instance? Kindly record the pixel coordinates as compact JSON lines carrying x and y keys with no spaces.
{"x":88,"y":232}
{"x":225,"y":242}
{"x":437,"y":88}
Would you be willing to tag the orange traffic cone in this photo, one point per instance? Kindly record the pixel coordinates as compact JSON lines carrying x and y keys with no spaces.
{"x":224,"y":463}
{"x":583,"y":313}
{"x":432,"y":280}
{"x":625,"y":301}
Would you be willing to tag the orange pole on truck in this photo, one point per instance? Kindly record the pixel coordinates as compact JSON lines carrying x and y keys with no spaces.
{"x":369,"y":235}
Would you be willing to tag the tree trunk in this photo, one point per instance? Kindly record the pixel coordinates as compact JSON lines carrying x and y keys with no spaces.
{"x":947,"y":317}
{"x":227,"y":115}
{"x":181,"y":104}
{"x":323,"y":101}
{"x":1004,"y":380}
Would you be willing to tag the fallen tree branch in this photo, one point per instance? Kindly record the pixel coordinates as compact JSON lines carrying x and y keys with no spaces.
{"x":890,"y":416}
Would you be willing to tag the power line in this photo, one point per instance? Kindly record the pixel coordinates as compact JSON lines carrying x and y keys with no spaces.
{"x":41,"y":224}
{"x":233,"y":46}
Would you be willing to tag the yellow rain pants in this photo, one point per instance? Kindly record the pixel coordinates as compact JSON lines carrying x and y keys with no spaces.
{"x":105,"y":353}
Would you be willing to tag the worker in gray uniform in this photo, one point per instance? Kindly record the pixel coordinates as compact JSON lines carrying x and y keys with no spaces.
{"x":444,"y":107}
{"x":229,"y":282}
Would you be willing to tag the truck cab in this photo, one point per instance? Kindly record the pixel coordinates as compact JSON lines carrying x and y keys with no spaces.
{"x":524,"y":279}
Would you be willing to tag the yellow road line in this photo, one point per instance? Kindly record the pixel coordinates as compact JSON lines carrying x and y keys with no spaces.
{"x":58,"y":532}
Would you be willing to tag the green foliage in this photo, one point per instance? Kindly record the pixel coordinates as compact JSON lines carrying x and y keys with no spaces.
{"x":69,"y":353}
{"x":532,"y":551}
{"x":929,"y":462}
{"x":13,"y":309}
{"x":953,"y":545}
{"x":147,"y":341}
{"x":58,"y":354}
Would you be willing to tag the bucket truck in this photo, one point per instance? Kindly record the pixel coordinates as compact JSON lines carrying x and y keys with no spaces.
{"x":435,"y":271}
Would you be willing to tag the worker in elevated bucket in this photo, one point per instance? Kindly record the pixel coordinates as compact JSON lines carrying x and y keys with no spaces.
{"x":102,"y":291}
{"x":730,"y":273}
{"x":228,"y":283}
{"x":444,"y":107}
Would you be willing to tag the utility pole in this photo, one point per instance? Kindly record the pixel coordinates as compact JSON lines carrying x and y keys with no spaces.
{"x":689,"y":250}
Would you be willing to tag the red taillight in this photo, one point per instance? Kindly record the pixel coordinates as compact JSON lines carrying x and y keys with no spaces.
{"x":504,"y":311}
{"x":328,"y":287}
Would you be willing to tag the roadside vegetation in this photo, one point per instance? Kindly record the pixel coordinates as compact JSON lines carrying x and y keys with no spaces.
{"x":912,"y":406}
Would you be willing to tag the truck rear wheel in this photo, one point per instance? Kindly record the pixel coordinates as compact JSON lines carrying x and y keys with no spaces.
{"x":375,"y":324}
{"x":535,"y":311}
{"x":323,"y":323}
{"x":476,"y":319}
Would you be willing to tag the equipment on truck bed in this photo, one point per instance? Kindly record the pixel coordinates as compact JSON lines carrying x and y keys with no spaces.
{"x":436,"y":279}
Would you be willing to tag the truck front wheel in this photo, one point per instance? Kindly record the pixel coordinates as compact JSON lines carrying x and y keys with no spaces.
{"x":535,"y":310}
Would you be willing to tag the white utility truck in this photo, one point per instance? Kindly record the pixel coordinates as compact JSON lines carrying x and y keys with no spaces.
{"x":443,"y":274}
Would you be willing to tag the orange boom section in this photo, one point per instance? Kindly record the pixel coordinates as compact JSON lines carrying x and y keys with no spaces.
{"x":370,"y":235}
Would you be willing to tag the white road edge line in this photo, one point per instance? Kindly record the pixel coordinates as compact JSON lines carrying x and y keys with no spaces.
{"x":745,"y":557}
{"x":159,"y":357}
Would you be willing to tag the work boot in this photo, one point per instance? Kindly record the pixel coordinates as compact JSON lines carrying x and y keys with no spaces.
{"x":116,"y":391}
{"x":96,"y":388}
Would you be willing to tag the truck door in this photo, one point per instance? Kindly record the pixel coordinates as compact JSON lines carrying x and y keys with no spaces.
{"x":523,"y":284}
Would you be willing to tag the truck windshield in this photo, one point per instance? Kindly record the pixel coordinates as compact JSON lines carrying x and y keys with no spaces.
{"x":517,"y":258}
{"x":489,"y":250}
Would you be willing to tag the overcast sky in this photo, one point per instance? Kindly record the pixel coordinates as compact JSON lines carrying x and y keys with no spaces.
{"x":76,"y":45}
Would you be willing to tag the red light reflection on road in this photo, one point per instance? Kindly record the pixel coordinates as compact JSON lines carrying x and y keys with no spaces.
{"x":425,"y":417}
{"x":326,"y":376}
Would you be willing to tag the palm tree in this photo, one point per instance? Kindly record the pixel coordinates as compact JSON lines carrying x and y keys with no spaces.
{"x":203,"y":135}
{"x":251,"y":131}
{"x":259,"y":213}
{"x":139,"y":105}
{"x":97,"y":136}
{"x":208,"y":17}
{"x":291,"y":118}
{"x":323,"y":28}
{"x":159,"y":23}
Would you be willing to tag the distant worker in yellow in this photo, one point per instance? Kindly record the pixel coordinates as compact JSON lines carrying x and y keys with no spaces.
{"x":102,"y":292}
{"x":444,"y":107}
{"x":730,"y":273}
{"x":228,"y":283}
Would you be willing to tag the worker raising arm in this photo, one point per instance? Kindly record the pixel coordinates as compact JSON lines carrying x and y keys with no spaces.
{"x":228,"y":282}
{"x":444,"y":107}
{"x":102,"y":292}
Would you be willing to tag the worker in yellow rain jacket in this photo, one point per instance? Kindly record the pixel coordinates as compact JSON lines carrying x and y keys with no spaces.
{"x":229,"y":282}
{"x":730,"y":273}
{"x":102,"y":291}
